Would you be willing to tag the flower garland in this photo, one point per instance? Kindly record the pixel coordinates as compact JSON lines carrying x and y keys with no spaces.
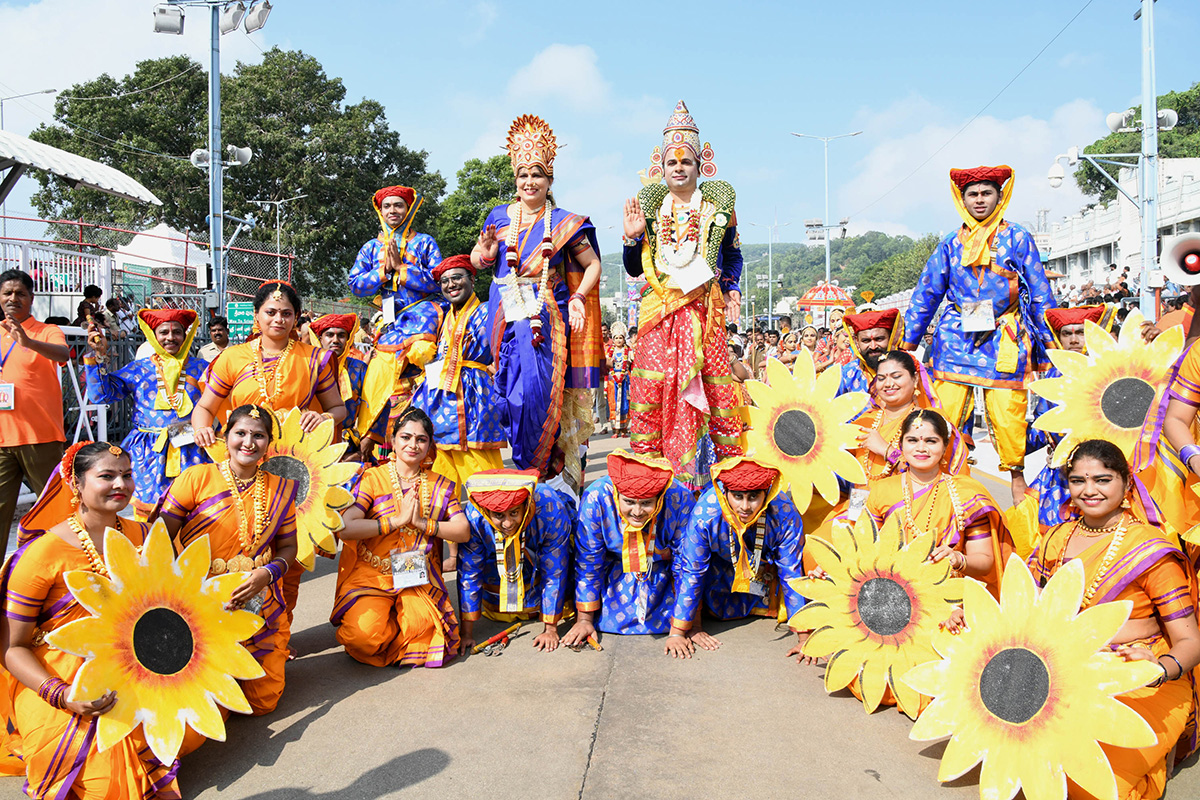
{"x":276,"y":371}
{"x":678,"y":253}
{"x":512,"y":257}
{"x":248,"y":544}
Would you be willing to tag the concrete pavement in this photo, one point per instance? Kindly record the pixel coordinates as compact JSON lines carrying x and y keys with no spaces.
{"x":626,"y":722}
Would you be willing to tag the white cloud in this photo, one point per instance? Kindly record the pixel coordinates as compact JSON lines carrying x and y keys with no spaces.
{"x":90,"y":37}
{"x":906,"y":133}
{"x":562,"y":73}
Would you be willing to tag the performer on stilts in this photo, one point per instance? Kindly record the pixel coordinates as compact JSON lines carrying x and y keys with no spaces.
{"x":682,"y":236}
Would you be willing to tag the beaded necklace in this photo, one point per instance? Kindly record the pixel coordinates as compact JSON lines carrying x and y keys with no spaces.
{"x":276,"y":371}
{"x":248,"y":543}
{"x":512,"y":251}
{"x":176,"y":399}
{"x":894,"y":443}
{"x":1110,"y":555}
{"x":955,"y":503}
{"x":87,"y":545}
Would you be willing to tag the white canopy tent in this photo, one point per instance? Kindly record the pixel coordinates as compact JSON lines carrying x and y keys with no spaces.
{"x":19,"y":153}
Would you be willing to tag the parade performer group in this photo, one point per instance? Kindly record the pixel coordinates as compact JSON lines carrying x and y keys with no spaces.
{"x":685,"y":526}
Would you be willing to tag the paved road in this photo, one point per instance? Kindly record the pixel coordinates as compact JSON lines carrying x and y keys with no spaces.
{"x":626,"y":722}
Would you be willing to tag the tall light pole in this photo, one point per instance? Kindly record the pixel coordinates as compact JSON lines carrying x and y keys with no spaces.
{"x":827,"y":140}
{"x":772,"y":230}
{"x":278,"y":218}
{"x":225,"y":15}
{"x":4,"y":207}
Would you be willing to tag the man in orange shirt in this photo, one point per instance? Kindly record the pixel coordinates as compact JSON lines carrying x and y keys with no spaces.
{"x":31,"y":407}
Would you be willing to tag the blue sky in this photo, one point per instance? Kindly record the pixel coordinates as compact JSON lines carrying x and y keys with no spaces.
{"x":606,"y":76}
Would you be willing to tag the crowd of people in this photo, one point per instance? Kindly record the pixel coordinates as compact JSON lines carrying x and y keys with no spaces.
{"x":685,"y":525}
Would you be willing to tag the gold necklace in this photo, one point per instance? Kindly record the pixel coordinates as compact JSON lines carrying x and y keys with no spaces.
{"x":248,"y":544}
{"x":1110,"y":555}
{"x":1089,"y":532}
{"x":422,"y":494}
{"x":865,"y":458}
{"x":268,"y":399}
{"x":909,"y":501}
{"x":88,"y":546}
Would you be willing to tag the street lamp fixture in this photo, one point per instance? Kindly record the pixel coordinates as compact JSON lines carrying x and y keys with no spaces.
{"x":826,"y":140}
{"x":231,"y":17}
{"x":168,"y":19}
{"x":256,"y":17}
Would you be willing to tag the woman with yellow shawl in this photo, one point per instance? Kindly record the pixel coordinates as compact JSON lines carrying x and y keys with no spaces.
{"x":46,"y":737}
{"x":165,"y":387}
{"x":391,"y":606}
{"x":1126,"y":556}
{"x":249,"y":516}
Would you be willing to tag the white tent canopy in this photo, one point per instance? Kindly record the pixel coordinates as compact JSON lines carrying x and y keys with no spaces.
{"x":18,"y":153}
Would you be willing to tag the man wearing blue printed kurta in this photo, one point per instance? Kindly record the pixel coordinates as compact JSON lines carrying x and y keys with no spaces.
{"x":397,"y":266}
{"x":514,"y":564}
{"x":631,"y":526}
{"x":993,"y":332}
{"x":742,"y":545}
{"x":164,"y":386}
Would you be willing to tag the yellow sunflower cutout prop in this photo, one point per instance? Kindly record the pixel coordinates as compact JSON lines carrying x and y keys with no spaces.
{"x":1028,"y":690}
{"x":875,"y":614}
{"x":313,"y":460}
{"x":160,"y":636}
{"x":799,"y":425}
{"x":1108,"y":393}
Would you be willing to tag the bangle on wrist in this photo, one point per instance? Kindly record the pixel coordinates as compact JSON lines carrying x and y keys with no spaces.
{"x":1187,"y":453}
{"x":634,"y":242}
{"x":1177,"y":665}
{"x":577,"y":296}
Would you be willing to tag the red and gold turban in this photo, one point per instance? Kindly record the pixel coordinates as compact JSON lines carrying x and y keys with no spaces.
{"x":453,"y":262}
{"x":965,"y":177}
{"x":870,"y":320}
{"x":154,"y":317}
{"x":405,"y":193}
{"x":748,"y":476}
{"x":638,"y":477}
{"x":500,"y":490}
{"x":531,"y":142}
{"x":344,"y":321}
{"x":1056,"y":318}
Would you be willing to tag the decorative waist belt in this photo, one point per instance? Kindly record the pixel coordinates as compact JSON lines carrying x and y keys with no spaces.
{"x":239,"y":563}
{"x":384,"y":565}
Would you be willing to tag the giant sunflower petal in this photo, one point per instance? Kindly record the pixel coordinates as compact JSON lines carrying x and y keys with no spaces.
{"x":156,"y":597}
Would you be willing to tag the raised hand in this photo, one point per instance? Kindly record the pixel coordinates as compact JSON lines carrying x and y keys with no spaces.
{"x":489,"y":244}
{"x":634,"y":219}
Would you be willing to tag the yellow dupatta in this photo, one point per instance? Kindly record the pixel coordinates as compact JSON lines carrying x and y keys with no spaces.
{"x":742,"y":573}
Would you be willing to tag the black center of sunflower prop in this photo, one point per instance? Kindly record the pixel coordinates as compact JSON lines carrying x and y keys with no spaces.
{"x":293,"y":468}
{"x":795,"y":433}
{"x":1014,"y":685}
{"x":162,"y":641}
{"x":884,"y":606}
{"x":1126,"y":401}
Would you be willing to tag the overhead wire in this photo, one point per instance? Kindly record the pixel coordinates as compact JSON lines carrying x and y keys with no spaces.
{"x":978,"y":113}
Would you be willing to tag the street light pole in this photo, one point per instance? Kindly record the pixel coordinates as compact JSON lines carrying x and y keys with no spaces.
{"x":771,"y":233}
{"x":216,"y":172}
{"x":278,"y":227}
{"x":4,"y":207}
{"x":827,"y":140}
{"x":1149,"y":171}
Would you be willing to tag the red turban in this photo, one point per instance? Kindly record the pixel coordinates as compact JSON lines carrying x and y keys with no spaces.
{"x":405,"y":193}
{"x":870,"y":320}
{"x":965,"y":177}
{"x":343,"y":321}
{"x":1058,"y":317}
{"x":157,"y":316}
{"x":748,"y":476}
{"x":500,"y":500}
{"x":638,"y":478}
{"x":453,"y":262}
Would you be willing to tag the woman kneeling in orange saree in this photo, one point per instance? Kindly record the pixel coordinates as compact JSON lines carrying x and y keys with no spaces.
{"x":391,"y":605}
{"x":1125,"y":556}
{"x":46,"y":737}
{"x":250,"y":518}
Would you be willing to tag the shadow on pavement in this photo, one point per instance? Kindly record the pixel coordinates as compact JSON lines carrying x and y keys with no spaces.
{"x":399,"y":773}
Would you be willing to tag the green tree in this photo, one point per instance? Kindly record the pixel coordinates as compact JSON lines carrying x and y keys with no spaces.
{"x":306,"y":140}
{"x":1182,"y":141}
{"x":482,"y":185}
{"x":898,"y":272}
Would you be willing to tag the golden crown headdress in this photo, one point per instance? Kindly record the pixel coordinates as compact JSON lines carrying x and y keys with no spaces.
{"x":682,"y":131}
{"x":530,"y":142}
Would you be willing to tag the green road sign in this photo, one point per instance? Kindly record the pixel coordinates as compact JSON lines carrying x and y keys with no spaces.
{"x":241,"y":319}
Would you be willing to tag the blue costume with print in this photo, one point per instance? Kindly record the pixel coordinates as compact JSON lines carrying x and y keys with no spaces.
{"x":544,"y":543}
{"x":705,"y":565}
{"x":601,"y":584}
{"x":1015,"y":282}
{"x":146,"y":442}
{"x":467,"y":412}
